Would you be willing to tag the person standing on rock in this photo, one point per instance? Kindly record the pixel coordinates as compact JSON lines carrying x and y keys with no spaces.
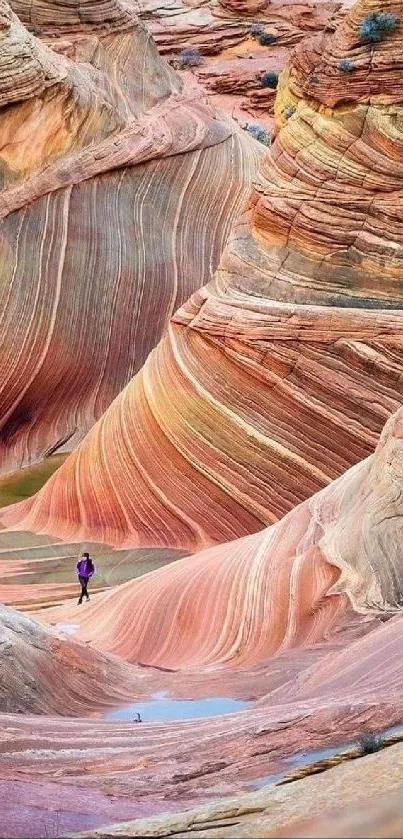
{"x":85,"y":570}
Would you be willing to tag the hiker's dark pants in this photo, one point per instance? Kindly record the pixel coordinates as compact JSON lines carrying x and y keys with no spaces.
{"x":84,"y":592}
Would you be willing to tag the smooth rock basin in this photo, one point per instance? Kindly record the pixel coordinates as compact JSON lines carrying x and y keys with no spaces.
{"x":162,"y":708}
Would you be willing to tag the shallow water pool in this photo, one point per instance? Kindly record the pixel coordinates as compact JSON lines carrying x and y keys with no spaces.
{"x":162,"y":708}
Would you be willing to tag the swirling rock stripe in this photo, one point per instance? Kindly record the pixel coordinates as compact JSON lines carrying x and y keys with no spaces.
{"x":286,"y":366}
{"x":75,"y":323}
{"x":219,"y":607}
{"x":65,"y":355}
{"x":318,"y":209}
{"x":221,"y":434}
{"x":287,"y":586}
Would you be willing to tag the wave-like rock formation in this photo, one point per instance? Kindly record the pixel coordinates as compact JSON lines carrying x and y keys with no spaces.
{"x":279,"y":375}
{"x":43,"y":672}
{"x":288,"y":586}
{"x":119,"y":183}
{"x":195,"y":760}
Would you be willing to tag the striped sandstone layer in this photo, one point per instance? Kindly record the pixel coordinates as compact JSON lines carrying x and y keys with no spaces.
{"x":277,"y":376}
{"x":196,"y":760}
{"x":43,"y":672}
{"x":107,"y":147}
{"x":289,"y":586}
{"x":373,"y":77}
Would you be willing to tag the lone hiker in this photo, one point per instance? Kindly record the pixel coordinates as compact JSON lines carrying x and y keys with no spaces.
{"x":85,"y":570}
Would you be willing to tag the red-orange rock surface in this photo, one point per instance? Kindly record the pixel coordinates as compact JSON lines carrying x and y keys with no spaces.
{"x":290,"y":585}
{"x":277,"y":376}
{"x":272,"y":381}
{"x":354,"y":798}
{"x":119,"y":183}
{"x":233,"y":61}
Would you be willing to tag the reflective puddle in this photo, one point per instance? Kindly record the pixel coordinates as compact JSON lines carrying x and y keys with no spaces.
{"x":161,"y":709}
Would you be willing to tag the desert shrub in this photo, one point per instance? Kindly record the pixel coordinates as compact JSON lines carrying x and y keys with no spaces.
{"x":267,"y":38}
{"x":370,"y":743}
{"x":259,"y":133}
{"x":269,"y":80}
{"x":189,"y":57}
{"x":256,"y":30}
{"x":345,"y":65}
{"x":289,"y":111}
{"x":377,"y":26}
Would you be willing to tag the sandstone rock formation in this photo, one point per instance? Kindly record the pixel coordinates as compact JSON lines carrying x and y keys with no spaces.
{"x":288,"y":586}
{"x":197,"y":760}
{"x":264,"y":401}
{"x":44,"y":673}
{"x":354,"y":525}
{"x":334,"y":804}
{"x":233,"y":61}
{"x":280,"y":374}
{"x":320,"y":584}
{"x":119,"y":184}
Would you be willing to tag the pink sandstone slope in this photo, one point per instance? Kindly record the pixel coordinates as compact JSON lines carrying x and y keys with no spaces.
{"x":191,"y":760}
{"x":291,"y":585}
{"x":118,"y":186}
{"x":279,"y":375}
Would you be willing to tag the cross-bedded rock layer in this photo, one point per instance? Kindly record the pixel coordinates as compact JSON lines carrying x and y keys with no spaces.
{"x":292,"y":585}
{"x":119,"y":183}
{"x":280,"y":374}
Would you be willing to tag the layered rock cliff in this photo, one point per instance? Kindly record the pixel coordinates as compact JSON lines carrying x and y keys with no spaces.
{"x":279,"y":375}
{"x":119,"y":183}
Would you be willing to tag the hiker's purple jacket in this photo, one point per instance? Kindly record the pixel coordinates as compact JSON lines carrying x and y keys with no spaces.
{"x":84,"y":569}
